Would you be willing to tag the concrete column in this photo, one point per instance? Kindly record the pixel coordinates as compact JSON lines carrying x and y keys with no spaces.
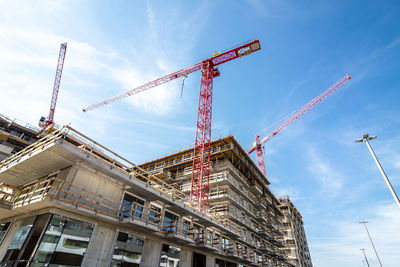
{"x":101,"y":246}
{"x":180,"y":224}
{"x":151,"y":253}
{"x":186,"y":257}
{"x":210,"y":261}
{"x":146,"y":209}
{"x":8,"y":237}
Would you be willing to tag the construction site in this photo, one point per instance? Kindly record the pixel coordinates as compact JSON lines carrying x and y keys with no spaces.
{"x":67,"y":200}
{"x":199,"y":133}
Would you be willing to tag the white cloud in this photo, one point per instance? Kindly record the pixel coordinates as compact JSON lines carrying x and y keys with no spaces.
{"x":330,"y":178}
{"x":29,"y":50}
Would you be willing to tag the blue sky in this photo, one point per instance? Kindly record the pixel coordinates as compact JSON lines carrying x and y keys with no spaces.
{"x":306,"y":47}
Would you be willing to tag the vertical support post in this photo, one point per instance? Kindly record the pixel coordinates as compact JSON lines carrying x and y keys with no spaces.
{"x":201,"y":155}
{"x":396,"y":198}
{"x":372,"y":243}
{"x":365,"y":256}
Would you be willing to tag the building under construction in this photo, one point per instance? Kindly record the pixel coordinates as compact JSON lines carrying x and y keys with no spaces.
{"x":67,"y":200}
{"x":296,"y":248}
{"x":15,"y":136}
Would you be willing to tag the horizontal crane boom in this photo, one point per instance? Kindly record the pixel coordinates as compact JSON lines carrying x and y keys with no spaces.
{"x":240,"y":51}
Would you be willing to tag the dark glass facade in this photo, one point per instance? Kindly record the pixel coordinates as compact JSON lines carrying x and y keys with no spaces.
{"x":127,"y":251}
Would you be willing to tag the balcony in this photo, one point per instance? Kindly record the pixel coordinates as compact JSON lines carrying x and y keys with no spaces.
{"x":267,"y":250}
{"x":7,"y":195}
{"x":56,"y":192}
{"x":264,"y":233}
{"x":256,"y":188}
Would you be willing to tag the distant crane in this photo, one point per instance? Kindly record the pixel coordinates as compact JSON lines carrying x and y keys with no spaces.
{"x":201,"y":155}
{"x":257,"y":145}
{"x":44,"y":123}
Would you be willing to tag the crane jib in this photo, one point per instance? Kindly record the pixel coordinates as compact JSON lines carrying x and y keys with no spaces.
{"x":217,"y":60}
{"x":300,"y":112}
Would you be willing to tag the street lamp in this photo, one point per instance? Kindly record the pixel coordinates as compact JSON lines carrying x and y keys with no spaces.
{"x":370,"y":239}
{"x":365,"y":256}
{"x":366,"y":138}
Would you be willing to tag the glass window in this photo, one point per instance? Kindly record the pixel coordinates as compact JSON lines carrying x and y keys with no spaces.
{"x":132,"y":203}
{"x":18,"y":240}
{"x":219,"y":263}
{"x":154,"y":214}
{"x":22,"y":233}
{"x":3,"y":229}
{"x":170,"y":222}
{"x":225,"y":243}
{"x":243,"y":234}
{"x":127,"y":251}
{"x":170,"y":256}
{"x":185,"y":227}
{"x":64,"y":242}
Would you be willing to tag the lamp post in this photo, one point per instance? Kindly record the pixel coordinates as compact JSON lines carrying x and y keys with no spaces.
{"x":366,"y":138}
{"x":365,"y":256}
{"x":370,"y":239}
{"x":363,"y":261}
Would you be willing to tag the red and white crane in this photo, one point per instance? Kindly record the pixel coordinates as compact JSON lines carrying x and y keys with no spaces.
{"x":46,"y":122}
{"x":201,"y":155}
{"x":257,"y":145}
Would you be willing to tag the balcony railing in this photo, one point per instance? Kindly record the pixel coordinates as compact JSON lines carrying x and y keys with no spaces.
{"x":7,"y":194}
{"x":79,"y":141}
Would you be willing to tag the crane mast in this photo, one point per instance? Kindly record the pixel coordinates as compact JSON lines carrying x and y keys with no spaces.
{"x":201,"y":153}
{"x":45,"y":122}
{"x":257,"y":146}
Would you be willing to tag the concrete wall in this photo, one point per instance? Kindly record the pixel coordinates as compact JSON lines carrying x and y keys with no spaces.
{"x":186,"y":257}
{"x":99,"y":183}
{"x":151,"y":253}
{"x":101,"y":246}
{"x":210,"y":260}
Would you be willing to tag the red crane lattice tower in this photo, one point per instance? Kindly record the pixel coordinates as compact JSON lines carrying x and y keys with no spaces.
{"x":45,"y":122}
{"x":257,"y":146}
{"x":201,"y":153}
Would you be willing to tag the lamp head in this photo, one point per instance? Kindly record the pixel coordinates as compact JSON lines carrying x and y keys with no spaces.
{"x":365,"y":137}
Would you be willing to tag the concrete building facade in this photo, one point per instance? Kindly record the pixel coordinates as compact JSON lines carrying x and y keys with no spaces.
{"x":296,"y":247}
{"x":68,"y":200}
{"x":15,"y":136}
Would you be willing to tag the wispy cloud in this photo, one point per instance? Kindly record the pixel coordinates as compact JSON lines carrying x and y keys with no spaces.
{"x":273,"y":9}
{"x":91,"y":72}
{"x":329,"y":177}
{"x":365,"y":65}
{"x":344,"y":248}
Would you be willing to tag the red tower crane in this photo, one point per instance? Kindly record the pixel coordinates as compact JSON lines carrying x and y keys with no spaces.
{"x":46,"y":122}
{"x":201,"y":155}
{"x":257,"y":145}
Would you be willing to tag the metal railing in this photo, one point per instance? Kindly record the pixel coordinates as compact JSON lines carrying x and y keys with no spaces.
{"x":7,"y":194}
{"x":19,"y":123}
{"x":70,"y":136}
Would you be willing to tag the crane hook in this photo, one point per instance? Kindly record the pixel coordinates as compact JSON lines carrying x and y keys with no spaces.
{"x":183,"y":83}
